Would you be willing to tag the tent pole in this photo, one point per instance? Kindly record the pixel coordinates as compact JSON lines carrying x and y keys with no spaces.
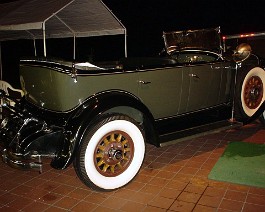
{"x":35,"y":50}
{"x":71,"y":31}
{"x":125,"y":40}
{"x":44,"y":39}
{"x":74,"y":47}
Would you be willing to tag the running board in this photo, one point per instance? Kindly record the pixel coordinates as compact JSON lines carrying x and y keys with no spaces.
{"x":216,"y":127}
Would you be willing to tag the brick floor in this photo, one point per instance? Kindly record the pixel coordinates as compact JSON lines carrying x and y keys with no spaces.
{"x":173,"y":178}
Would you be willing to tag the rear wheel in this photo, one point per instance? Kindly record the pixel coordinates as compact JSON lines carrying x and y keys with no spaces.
{"x":250,"y":93}
{"x":111,"y":153}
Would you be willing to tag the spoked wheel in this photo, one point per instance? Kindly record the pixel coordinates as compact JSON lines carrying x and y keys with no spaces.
{"x":114,"y":153}
{"x":111,"y":153}
{"x":252,"y":92}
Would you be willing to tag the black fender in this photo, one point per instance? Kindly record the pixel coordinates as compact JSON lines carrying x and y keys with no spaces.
{"x":51,"y":140}
{"x":257,"y":114}
{"x":90,"y":111}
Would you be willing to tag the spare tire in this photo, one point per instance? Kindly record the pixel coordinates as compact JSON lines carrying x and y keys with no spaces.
{"x":250,"y":93}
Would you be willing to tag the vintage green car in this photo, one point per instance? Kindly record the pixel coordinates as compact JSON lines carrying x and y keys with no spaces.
{"x":99,"y":116}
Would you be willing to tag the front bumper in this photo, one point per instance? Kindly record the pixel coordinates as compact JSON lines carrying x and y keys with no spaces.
{"x":20,"y":161}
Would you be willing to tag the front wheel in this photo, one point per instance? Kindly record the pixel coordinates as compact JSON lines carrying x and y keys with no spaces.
{"x":111,"y":153}
{"x":251,"y":93}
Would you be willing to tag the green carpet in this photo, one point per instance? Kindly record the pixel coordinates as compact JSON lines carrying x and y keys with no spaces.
{"x":241,"y":163}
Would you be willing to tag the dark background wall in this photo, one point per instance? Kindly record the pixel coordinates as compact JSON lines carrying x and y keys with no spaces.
{"x":145,"y":21}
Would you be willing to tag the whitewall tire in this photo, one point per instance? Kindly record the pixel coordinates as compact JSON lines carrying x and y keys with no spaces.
{"x":252,"y":92}
{"x":111,"y":153}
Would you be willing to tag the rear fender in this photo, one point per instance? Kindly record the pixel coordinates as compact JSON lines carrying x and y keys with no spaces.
{"x":92,"y":109}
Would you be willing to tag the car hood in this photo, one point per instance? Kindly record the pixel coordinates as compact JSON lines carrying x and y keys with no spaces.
{"x":203,"y":39}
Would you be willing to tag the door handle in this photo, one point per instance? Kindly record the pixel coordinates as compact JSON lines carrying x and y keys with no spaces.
{"x":144,"y":82}
{"x":194,"y":75}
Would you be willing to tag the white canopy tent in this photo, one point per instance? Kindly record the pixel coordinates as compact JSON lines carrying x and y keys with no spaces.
{"x":43,"y":19}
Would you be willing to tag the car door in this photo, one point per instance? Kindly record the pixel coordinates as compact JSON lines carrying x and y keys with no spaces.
{"x":205,"y":73}
{"x":161,"y":90}
{"x":201,"y":77}
{"x":226,"y":92}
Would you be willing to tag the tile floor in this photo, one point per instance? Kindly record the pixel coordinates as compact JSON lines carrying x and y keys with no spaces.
{"x":173,"y":178}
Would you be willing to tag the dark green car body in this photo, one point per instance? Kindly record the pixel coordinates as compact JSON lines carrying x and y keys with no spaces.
{"x":166,"y":91}
{"x":179,"y":94}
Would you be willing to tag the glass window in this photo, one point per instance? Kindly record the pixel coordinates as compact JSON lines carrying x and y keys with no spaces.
{"x":195,"y":57}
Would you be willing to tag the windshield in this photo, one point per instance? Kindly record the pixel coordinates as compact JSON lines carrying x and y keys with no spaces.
{"x":205,"y":39}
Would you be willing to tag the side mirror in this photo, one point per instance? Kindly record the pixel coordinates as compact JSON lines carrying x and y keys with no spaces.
{"x":242,"y":52}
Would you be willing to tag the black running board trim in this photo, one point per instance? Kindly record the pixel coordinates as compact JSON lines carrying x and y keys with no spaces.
{"x":199,"y":131}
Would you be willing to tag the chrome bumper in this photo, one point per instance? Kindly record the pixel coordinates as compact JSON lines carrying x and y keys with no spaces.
{"x":23,"y":162}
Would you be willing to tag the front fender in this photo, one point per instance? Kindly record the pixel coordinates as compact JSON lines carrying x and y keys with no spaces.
{"x":89,"y":111}
{"x":257,"y":114}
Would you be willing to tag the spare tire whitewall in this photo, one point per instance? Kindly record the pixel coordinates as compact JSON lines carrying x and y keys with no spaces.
{"x":111,"y":153}
{"x":253,"y":91}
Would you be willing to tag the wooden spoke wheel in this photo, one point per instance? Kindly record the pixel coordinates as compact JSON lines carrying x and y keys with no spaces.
{"x":253,"y":92}
{"x":114,"y":153}
{"x":111,"y":152}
